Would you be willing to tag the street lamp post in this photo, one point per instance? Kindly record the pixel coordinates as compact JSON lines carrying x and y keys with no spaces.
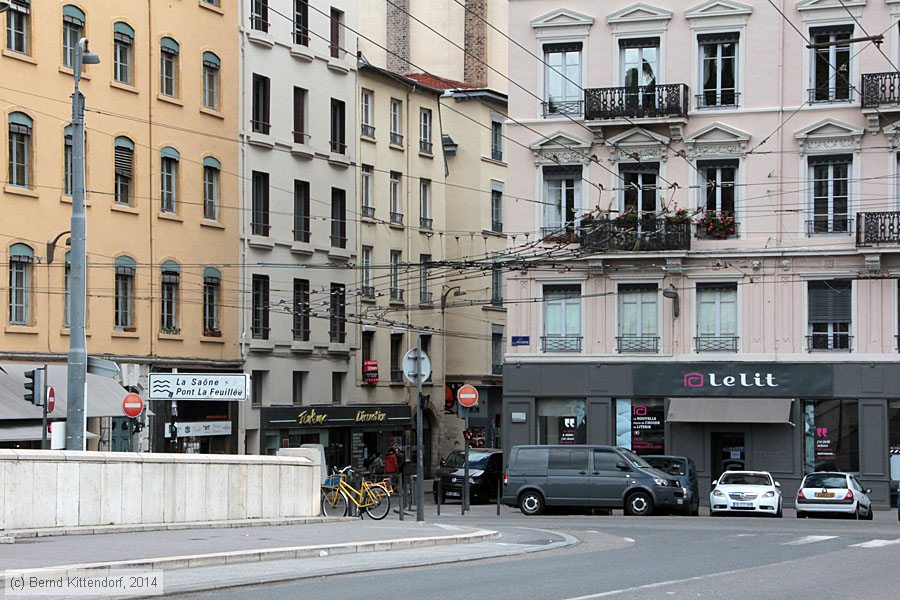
{"x":76,"y":375}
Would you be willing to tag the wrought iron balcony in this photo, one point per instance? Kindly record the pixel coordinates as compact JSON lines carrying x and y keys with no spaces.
{"x":563,"y":107}
{"x":338,"y":147}
{"x":636,"y":102}
{"x":396,"y":139}
{"x":829,"y":224}
{"x":628,"y":234}
{"x":561,"y":343}
{"x":396,"y":294}
{"x":426,"y":297}
{"x":637,"y":343}
{"x":396,"y":376}
{"x":713,"y":99}
{"x":716,"y":343}
{"x":396,"y":218}
{"x":722,"y":231}
{"x":301,"y":335}
{"x":368,"y":212}
{"x":425,"y":146}
{"x":259,"y":228}
{"x":368,"y":292}
{"x":301,"y":235}
{"x":425,"y":222}
{"x":834,"y":95}
{"x":367,"y":130}
{"x":880,"y":89}
{"x":497,"y":369}
{"x":829,"y":342}
{"x":874,"y":228}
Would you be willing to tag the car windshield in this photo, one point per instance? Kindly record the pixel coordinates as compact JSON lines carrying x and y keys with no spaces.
{"x":672,"y":466}
{"x":477,"y":460}
{"x":745,"y":479}
{"x":636,"y":460}
{"x":825,"y":480}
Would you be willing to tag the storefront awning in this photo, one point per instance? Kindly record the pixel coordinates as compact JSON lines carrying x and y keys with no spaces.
{"x":729,"y":410}
{"x":104,"y":395}
{"x":20,"y":433}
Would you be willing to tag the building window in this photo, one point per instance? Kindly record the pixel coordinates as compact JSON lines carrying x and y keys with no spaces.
{"x":638,"y":318}
{"x":830,"y":307}
{"x":425,"y":345}
{"x":260,"y":307}
{"x":338,"y":314}
{"x":831,"y":429}
{"x":496,"y":139}
{"x":260,"y":119}
{"x":301,"y":211}
{"x":497,"y":347}
{"x":335,"y":39}
{"x":562,"y":318}
{"x":301,"y":22}
{"x":830,"y":70}
{"x":20,"y":169}
{"x":123,"y":53}
{"x":124,"y":164}
{"x":68,"y":164}
{"x":497,"y":210}
{"x":301,"y":310}
{"x":126,"y":268}
{"x":367,"y":346}
{"x":212,"y":285}
{"x":562,"y":79}
{"x":297,"y":381}
{"x":365,"y":275}
{"x":21,"y":258}
{"x":394,"y":276}
{"x":396,"y":122}
{"x":718,"y":69}
{"x":366,"y":113}
{"x":338,"y":218}
{"x":169,"y":298}
{"x":338,"y":127}
{"x":425,"y":130}
{"x":67,"y":284}
{"x":168,"y":191}
{"x":18,"y":27}
{"x":396,"y":357}
{"x":718,"y":178}
{"x":337,"y":387}
{"x":260,"y":210}
{"x":497,"y":285}
{"x":168,"y":67}
{"x":639,"y":195}
{"x":365,"y":191}
{"x":563,"y":422}
{"x":73,"y":30}
{"x":425,"y":219}
{"x":257,"y":382}
{"x":259,"y":15}
{"x":717,"y":317}
{"x":211,"y":170}
{"x":211,"y":67}
{"x":640,"y":425}
{"x":830,"y":177}
{"x":561,"y":198}
{"x":425,"y":295}
{"x":299,"y":115}
{"x":396,"y":198}
{"x":639,"y":58}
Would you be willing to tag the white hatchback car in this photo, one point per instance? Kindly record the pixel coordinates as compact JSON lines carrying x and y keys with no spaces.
{"x":829,"y":492}
{"x":745,"y":492}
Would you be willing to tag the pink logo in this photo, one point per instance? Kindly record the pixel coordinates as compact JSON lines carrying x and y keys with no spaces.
{"x":640,"y":411}
{"x":822,"y":432}
{"x":693,"y":380}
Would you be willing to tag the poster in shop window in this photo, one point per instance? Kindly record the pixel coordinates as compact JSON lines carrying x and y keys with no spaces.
{"x":647,"y":429}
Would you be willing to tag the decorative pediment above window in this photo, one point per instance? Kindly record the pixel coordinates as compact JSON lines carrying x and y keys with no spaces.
{"x":562,"y":22}
{"x":638,"y":144}
{"x":829,"y":135}
{"x":718,"y":12}
{"x":717,"y":139}
{"x":639,"y":17}
{"x":815,"y":10}
{"x":561,"y":148}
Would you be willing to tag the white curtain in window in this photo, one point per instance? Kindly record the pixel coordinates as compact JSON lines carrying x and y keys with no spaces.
{"x":637,"y":313}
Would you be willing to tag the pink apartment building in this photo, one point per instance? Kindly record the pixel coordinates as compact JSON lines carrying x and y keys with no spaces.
{"x":718,"y":225}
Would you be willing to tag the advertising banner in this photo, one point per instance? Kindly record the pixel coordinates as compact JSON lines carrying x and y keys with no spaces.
{"x":740,"y":380}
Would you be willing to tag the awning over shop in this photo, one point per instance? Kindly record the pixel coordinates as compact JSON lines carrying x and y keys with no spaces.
{"x":104,"y":395}
{"x":20,"y":433}
{"x":729,"y":410}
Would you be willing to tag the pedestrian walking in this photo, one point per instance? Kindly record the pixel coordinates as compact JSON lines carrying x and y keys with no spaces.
{"x":378,"y":465}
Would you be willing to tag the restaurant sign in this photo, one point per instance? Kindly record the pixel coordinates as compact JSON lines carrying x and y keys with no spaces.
{"x":337,"y":416}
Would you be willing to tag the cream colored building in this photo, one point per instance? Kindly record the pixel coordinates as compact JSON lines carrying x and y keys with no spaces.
{"x":162,"y":218}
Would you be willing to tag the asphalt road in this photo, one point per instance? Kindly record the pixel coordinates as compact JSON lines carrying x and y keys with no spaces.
{"x":730,"y":558}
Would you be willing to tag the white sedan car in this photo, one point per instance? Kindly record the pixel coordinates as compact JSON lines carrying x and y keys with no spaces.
{"x":833,"y":493}
{"x":745,"y":492}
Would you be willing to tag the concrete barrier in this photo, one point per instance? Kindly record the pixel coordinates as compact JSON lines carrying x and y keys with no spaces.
{"x":63,"y":488}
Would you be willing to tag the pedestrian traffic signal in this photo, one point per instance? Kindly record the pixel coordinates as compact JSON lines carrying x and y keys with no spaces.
{"x":33,"y":387}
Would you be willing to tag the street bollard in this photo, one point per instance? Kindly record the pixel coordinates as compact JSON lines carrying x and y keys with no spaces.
{"x":402,"y":508}
{"x":499,"y":488}
{"x":440,"y":494}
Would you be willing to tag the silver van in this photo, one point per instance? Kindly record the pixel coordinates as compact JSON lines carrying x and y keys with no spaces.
{"x":592,"y":476}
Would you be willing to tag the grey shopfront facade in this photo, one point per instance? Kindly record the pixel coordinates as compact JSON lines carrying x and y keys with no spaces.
{"x":786,"y":418}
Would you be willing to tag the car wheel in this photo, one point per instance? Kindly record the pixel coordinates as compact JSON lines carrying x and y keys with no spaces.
{"x":639,"y":504}
{"x":859,"y":512}
{"x":801,"y":514}
{"x":531,"y":503}
{"x":779,"y":514}
{"x":869,"y":514}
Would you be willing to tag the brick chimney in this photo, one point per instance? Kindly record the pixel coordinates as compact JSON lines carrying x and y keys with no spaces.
{"x":474,"y":68}
{"x":398,"y":36}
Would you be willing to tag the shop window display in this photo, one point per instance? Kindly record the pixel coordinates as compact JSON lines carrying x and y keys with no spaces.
{"x":894,"y":437}
{"x":561,"y":422}
{"x":831,"y":428}
{"x":640,"y":425}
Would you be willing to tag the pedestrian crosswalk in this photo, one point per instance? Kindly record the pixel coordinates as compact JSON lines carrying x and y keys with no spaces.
{"x":850,"y":542}
{"x":876,"y":543}
{"x":809,"y":539}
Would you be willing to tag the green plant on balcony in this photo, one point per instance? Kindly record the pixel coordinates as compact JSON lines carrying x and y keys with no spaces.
{"x":171,"y":330}
{"x":675,"y":215}
{"x":716,"y":224}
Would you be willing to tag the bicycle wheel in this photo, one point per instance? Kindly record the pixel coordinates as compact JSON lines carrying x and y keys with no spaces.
{"x":335,"y":503}
{"x":378,"y":502}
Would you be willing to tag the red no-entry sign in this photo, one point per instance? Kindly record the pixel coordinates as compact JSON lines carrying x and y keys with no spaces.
{"x":51,"y":399}
{"x":467,"y":396}
{"x":132,"y":405}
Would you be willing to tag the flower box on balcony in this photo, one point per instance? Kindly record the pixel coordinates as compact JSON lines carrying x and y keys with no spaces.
{"x":716,"y":225}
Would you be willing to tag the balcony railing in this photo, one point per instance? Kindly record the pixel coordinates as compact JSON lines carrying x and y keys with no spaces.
{"x":425,"y":222}
{"x":563,"y":107}
{"x":626,"y":234}
{"x":426,"y":297}
{"x":368,"y":212}
{"x":637,"y":343}
{"x":301,"y":335}
{"x":880,"y":89}
{"x":396,"y":294}
{"x":396,"y":139}
{"x":367,"y":130}
{"x":396,"y":218}
{"x":301,"y":235}
{"x":497,"y":369}
{"x":425,"y":146}
{"x":710,"y":343}
{"x":257,"y":228}
{"x":497,"y":226}
{"x":713,"y":99}
{"x":822,"y":94}
{"x":561,"y":343}
{"x":337,"y":336}
{"x":396,"y":376}
{"x":338,"y":241}
{"x":829,"y":342}
{"x":646,"y":101}
{"x":258,"y":332}
{"x":722,"y":232}
{"x":338,"y":147}
{"x":368,"y":291}
{"x":877,"y":228}
{"x":829,"y":224}
{"x":260,"y":126}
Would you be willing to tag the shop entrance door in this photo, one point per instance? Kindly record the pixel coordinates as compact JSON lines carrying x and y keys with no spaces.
{"x":728,"y":453}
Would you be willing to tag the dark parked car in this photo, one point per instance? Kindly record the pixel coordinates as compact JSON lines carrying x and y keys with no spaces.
{"x":683,"y":469}
{"x":485,"y":468}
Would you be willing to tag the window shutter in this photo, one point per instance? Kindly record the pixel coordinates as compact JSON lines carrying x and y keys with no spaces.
{"x":726,"y":37}
{"x":830,"y":301}
{"x":124,"y":161}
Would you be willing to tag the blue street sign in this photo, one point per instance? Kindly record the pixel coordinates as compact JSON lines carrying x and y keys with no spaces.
{"x":521,"y":340}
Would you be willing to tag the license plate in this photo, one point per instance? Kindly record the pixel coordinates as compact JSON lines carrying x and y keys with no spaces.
{"x":454,"y":494}
{"x":742,"y":504}
{"x":824,"y":494}
{"x":680,"y":500}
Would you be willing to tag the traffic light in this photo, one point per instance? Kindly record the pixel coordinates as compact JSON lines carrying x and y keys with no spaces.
{"x":467,"y":434}
{"x":33,"y":387}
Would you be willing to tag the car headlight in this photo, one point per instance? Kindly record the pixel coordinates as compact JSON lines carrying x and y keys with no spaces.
{"x":718,"y":493}
{"x":769,"y":495}
{"x":684,"y":490}
{"x":661,"y":482}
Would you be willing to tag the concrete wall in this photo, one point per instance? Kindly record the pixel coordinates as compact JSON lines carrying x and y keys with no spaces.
{"x":68,"y":489}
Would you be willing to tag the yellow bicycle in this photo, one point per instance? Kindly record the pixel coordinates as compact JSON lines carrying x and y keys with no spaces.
{"x":338,"y":494}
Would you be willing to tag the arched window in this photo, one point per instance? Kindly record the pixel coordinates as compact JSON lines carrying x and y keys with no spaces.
{"x":211,"y":66}
{"x":124,"y":159}
{"x":211,"y":170}
{"x":20,"y":129}
{"x":73,"y":30}
{"x":168,"y":191}
{"x":21,"y":257}
{"x":168,"y":67}
{"x":171,"y":275}
{"x":212,"y":283}
{"x":124,"y":309}
{"x":123,"y":53}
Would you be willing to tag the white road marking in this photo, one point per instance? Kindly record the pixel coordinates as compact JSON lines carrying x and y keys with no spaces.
{"x":810,"y":539}
{"x":627,"y":539}
{"x":746,"y":535}
{"x":876,"y":543}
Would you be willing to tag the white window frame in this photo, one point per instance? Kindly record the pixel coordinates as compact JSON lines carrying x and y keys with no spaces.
{"x":549,"y":202}
{"x":168,"y":190}
{"x":367,"y":108}
{"x":425,"y":198}
{"x":396,"y":117}
{"x":643,"y":297}
{"x":396,"y":192}
{"x":832,"y":53}
{"x":211,"y":87}
{"x":577,"y":303}
{"x":830,"y":199}
{"x":425,"y":129}
{"x":18,"y":25}
{"x":71,"y":34}
{"x":719,"y":309}
{"x":701,"y":90}
{"x":366,"y":267}
{"x":123,"y":61}
{"x":21,"y":274}
{"x":365,"y":184}
{"x":210,"y":193}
